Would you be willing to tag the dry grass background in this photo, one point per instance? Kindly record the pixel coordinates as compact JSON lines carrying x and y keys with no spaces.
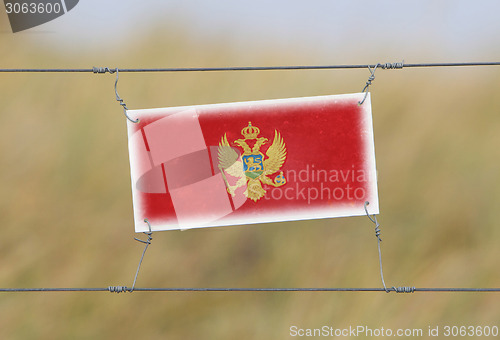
{"x":66,"y":211}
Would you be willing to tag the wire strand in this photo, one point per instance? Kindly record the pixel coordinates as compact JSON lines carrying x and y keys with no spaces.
{"x":249,"y":68}
{"x":174,"y":289}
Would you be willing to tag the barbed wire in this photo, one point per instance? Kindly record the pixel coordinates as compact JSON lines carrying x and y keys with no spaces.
{"x":398,"y":65}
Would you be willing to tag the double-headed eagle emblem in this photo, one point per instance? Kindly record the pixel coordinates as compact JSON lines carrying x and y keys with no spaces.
{"x":252,"y":168}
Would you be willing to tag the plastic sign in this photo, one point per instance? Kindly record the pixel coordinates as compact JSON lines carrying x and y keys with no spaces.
{"x":252,"y":162}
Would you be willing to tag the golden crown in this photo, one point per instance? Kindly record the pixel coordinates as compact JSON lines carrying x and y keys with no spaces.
{"x":250,"y":132}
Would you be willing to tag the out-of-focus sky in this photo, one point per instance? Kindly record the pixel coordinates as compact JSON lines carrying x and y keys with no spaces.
{"x":448,"y":30}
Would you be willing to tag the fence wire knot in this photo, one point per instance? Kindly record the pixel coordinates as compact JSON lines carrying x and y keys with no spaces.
{"x":371,"y":78}
{"x":103,"y":70}
{"x":404,"y":289}
{"x":117,"y":289}
{"x":392,"y":66}
{"x":120,"y":101}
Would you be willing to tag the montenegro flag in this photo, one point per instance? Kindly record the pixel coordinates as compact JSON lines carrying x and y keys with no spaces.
{"x":252,"y":162}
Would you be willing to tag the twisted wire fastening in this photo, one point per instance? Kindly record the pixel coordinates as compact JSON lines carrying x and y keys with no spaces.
{"x":103,"y":70}
{"x":147,"y":242}
{"x":392,"y":66}
{"x":377,"y":234}
{"x":404,"y":289}
{"x":118,"y":289}
{"x":385,"y":66}
{"x":122,"y":289}
{"x":118,"y":99}
{"x":368,"y":83}
{"x":374,"y":220}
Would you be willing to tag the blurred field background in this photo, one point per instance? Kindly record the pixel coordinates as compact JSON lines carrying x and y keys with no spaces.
{"x":66,"y":210}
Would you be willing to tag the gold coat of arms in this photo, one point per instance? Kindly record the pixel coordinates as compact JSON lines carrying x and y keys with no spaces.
{"x":252,"y":168}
